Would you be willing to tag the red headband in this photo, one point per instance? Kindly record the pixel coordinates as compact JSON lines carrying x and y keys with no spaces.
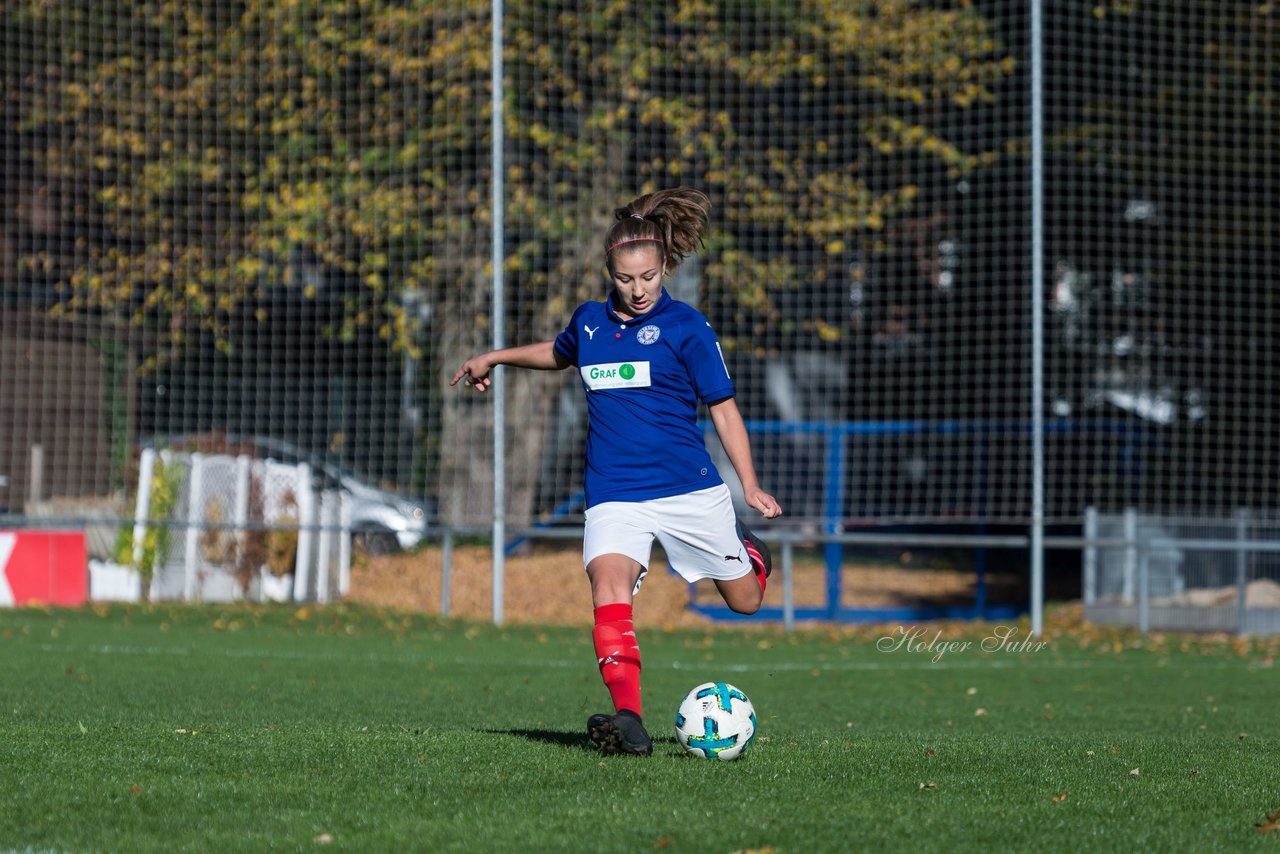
{"x":630,"y":240}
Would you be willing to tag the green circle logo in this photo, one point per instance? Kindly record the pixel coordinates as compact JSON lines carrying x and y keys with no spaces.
{"x":627,"y":371}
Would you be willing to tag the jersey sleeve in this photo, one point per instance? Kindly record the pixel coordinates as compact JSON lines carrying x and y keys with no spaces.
{"x":566,"y":343}
{"x":705,"y":360}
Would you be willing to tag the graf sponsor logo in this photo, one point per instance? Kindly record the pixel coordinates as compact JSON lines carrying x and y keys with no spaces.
{"x":616,"y":375}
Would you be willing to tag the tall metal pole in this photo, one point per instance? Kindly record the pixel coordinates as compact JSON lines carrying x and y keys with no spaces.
{"x":1037,"y":318}
{"x":498,"y":319}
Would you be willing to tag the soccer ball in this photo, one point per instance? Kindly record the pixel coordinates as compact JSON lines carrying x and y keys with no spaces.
{"x":716,"y":721}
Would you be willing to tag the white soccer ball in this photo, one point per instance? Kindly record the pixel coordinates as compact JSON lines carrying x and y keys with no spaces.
{"x":716,"y":721}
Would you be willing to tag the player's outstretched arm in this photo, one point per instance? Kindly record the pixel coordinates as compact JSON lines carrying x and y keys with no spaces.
{"x":733,"y":435}
{"x":541,"y":357}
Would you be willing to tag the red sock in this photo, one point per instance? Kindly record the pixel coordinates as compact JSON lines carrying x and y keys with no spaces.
{"x":757,"y":563}
{"x":618,"y":655}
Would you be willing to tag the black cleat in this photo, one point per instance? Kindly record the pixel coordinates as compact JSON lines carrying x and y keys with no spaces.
{"x":757,"y":550}
{"x":620,"y":733}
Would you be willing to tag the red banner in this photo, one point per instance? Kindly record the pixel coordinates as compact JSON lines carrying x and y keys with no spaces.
{"x":43,"y":568}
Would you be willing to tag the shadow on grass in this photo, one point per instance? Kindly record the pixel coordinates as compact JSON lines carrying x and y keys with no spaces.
{"x":573,"y":739}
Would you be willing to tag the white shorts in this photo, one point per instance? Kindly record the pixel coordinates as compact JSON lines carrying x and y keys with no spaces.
{"x":698,"y":531}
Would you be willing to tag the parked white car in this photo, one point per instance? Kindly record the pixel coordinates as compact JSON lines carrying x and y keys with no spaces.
{"x":382,"y":521}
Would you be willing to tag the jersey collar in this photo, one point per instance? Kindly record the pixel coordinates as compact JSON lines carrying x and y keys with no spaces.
{"x":664,"y":300}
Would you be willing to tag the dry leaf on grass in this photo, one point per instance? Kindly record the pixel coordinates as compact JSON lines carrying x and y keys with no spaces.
{"x":1271,"y":825}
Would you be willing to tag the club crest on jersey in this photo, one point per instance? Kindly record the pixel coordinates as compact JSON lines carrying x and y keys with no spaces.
{"x":648,"y":334}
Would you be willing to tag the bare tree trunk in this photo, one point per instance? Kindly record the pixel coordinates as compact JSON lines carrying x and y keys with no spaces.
{"x":466,"y":447}
{"x":466,"y":418}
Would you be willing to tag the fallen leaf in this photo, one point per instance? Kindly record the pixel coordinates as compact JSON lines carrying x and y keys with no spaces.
{"x":1060,"y":797}
{"x":929,"y":785}
{"x":1134,"y":772}
{"x":971,"y":691}
{"x":663,"y":842}
{"x":135,"y":790}
{"x":324,"y":839}
{"x":981,"y":712}
{"x":84,"y":730}
{"x":1271,"y":825}
{"x":931,"y":752}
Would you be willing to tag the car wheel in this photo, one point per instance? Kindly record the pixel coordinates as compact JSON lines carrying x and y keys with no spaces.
{"x":375,"y":543}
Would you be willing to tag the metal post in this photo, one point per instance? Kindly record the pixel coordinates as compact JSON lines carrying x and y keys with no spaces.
{"x":323,"y":543}
{"x":142,"y":508}
{"x":240,"y":514}
{"x":191,"y":546}
{"x":1144,"y":591}
{"x":1130,"y":554}
{"x":788,"y":592}
{"x":833,"y":508}
{"x":446,"y":573}
{"x":344,"y":543}
{"x":1037,"y":319}
{"x":1242,"y":567}
{"x":35,"y":475}
{"x":498,"y":221}
{"x":1090,"y":556}
{"x":306,"y":532}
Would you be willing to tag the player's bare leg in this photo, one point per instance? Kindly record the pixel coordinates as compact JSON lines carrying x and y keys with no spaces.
{"x":746,"y":594}
{"x":742,"y":595}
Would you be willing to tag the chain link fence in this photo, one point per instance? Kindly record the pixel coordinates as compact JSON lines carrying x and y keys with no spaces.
{"x":273,"y":222}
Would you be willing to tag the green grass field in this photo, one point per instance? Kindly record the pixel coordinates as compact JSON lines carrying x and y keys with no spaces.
{"x":136,"y":729}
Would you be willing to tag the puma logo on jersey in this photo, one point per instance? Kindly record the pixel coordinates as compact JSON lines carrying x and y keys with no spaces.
{"x":737,"y":557}
{"x":591,"y":333}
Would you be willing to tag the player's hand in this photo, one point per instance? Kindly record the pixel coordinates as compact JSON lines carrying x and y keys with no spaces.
{"x":764,"y":502}
{"x":476,"y":371}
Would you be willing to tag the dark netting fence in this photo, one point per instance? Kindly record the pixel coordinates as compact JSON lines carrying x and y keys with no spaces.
{"x":263,"y":230}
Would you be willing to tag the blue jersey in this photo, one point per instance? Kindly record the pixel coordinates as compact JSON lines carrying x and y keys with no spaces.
{"x":644,"y":379}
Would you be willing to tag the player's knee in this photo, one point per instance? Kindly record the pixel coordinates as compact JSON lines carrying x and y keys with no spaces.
{"x":746,"y":608}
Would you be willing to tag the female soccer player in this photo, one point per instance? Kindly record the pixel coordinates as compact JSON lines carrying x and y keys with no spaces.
{"x":646,"y":361}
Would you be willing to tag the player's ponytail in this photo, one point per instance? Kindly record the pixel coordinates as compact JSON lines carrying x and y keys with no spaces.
{"x":674,"y":218}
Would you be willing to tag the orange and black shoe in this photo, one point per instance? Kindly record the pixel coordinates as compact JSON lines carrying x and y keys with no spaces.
{"x":620,"y":733}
